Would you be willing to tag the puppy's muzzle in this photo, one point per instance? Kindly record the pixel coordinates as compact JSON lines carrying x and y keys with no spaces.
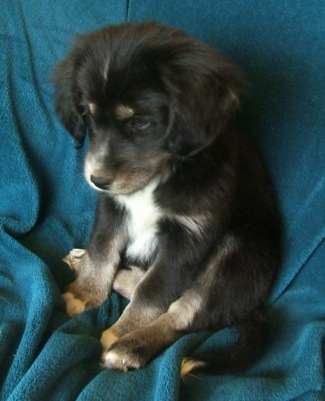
{"x":101,"y":182}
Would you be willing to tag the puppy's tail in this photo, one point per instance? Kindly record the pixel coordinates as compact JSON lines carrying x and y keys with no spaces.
{"x":252,"y":336}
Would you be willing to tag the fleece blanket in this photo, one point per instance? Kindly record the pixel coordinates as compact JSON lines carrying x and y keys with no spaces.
{"x":46,"y":208}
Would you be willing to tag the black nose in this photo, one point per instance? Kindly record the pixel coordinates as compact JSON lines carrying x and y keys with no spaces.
{"x":100,"y":182}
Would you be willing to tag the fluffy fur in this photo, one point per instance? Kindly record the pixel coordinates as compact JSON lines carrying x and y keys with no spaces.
{"x":186,"y":224}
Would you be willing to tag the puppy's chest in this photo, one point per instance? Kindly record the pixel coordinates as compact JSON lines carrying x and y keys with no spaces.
{"x":142,"y":216}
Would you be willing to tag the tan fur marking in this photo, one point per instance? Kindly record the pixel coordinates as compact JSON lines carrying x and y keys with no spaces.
{"x":108,"y":338}
{"x":74,"y":305}
{"x":123,"y":112}
{"x":92,"y":108}
{"x":188,"y":365}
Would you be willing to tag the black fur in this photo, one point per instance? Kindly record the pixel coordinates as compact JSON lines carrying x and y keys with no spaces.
{"x":183,"y":93}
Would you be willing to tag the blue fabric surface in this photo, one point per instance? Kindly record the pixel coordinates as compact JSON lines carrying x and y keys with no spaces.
{"x":46,"y":208}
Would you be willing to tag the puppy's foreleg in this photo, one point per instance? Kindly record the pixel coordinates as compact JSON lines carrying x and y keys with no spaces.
{"x":162,"y":284}
{"x":92,"y":284}
{"x":135,"y":349}
{"x":95,"y":268}
{"x":147,"y":301}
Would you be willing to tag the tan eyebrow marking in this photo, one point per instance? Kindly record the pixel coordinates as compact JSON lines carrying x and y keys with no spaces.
{"x":123,"y":112}
{"x":92,"y":108}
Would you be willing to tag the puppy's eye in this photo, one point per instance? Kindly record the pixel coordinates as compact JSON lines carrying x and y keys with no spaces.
{"x":140,"y":123}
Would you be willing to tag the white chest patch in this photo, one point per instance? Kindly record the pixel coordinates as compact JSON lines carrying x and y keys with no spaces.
{"x":143,"y":216}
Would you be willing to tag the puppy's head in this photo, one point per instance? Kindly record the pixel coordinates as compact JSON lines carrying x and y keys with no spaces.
{"x":146,"y":94}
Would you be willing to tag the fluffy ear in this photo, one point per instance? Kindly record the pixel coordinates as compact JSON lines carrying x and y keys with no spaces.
{"x":205,"y":90}
{"x":67,"y":98}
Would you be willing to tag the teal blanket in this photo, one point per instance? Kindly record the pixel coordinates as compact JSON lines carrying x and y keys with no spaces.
{"x":46,"y":208}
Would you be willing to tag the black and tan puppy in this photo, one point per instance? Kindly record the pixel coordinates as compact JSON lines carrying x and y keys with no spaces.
{"x":186,"y":224}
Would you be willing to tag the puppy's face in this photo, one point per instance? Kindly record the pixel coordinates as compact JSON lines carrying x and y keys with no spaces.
{"x":127,"y":141}
{"x":146,"y":95}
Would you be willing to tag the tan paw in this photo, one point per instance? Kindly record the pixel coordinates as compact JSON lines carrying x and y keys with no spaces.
{"x":108,"y":338}
{"x":74,"y":305}
{"x":113,"y":360}
{"x":189,"y":365}
{"x":127,"y":353}
{"x":120,"y":360}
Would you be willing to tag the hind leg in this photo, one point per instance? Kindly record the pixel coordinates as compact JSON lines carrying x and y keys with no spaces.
{"x":126,"y":280}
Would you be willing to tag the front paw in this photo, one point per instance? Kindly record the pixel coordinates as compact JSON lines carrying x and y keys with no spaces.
{"x":75,"y":259}
{"x":109,"y":337}
{"x":126,"y":354}
{"x":89,"y":289}
{"x":74,"y":305}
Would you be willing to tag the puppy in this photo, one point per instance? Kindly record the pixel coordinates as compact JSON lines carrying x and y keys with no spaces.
{"x":186,"y":226}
